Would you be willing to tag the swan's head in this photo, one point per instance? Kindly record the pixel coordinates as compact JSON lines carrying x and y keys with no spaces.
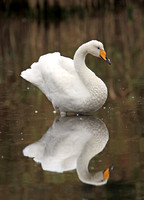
{"x":98,"y":179}
{"x":101,"y":177}
{"x":96,"y":48}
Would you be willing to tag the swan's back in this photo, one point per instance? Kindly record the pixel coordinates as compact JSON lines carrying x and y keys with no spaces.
{"x":56,"y":77}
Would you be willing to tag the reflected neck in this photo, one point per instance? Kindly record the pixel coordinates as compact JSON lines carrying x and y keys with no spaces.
{"x":83,"y":173}
{"x":82,"y":165}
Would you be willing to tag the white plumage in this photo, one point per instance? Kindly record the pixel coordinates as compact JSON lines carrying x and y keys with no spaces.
{"x":68,"y":83}
{"x":70,"y":143}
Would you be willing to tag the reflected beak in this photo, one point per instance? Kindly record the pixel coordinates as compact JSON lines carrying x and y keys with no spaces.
{"x":104,"y":57}
{"x":106,"y":172}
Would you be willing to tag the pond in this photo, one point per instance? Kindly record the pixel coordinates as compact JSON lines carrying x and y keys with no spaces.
{"x":69,"y":152}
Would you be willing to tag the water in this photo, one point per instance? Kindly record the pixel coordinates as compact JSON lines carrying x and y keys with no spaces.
{"x":26,"y":115}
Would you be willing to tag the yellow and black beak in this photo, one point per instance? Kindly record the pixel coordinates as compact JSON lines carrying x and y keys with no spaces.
{"x":106,"y":172}
{"x":104,"y":57}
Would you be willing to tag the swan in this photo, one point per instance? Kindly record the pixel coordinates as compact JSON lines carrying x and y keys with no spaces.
{"x":70,"y":143}
{"x":68,"y":83}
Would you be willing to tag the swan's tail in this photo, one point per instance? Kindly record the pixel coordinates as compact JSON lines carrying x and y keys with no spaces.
{"x":37,"y":73}
{"x":33,"y":75}
{"x":35,"y":151}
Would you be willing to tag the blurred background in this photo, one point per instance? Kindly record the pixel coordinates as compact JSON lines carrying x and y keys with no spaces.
{"x":31,"y":28}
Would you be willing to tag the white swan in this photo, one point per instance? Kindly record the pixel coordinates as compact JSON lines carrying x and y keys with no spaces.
{"x":70,"y":144}
{"x":69,"y":84}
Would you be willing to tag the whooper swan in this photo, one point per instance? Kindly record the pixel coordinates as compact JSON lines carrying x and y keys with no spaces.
{"x":68,"y":83}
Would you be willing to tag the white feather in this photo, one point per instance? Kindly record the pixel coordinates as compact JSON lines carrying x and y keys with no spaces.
{"x":68,"y":83}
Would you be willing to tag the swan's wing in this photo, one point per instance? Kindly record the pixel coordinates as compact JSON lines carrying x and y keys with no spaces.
{"x":55,"y":75}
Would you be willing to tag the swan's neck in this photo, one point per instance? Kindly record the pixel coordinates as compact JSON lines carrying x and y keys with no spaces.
{"x":79,"y":62}
{"x":87,"y":76}
{"x":82,"y":167}
{"x":94,"y":85}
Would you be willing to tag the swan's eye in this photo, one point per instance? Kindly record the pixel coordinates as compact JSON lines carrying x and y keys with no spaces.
{"x":98,"y":48}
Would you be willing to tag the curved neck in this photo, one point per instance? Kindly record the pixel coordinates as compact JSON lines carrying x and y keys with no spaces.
{"x":79,"y":62}
{"x":80,"y":54}
{"x":86,"y":155}
{"x":82,"y":167}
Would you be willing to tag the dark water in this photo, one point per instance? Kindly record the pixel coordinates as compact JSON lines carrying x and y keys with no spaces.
{"x":26,"y":116}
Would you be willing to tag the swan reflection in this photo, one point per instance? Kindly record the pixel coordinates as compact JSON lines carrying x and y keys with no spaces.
{"x":70,"y":143}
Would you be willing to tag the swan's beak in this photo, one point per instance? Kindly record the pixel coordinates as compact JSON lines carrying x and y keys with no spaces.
{"x":104,"y":57}
{"x":106,"y":172}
